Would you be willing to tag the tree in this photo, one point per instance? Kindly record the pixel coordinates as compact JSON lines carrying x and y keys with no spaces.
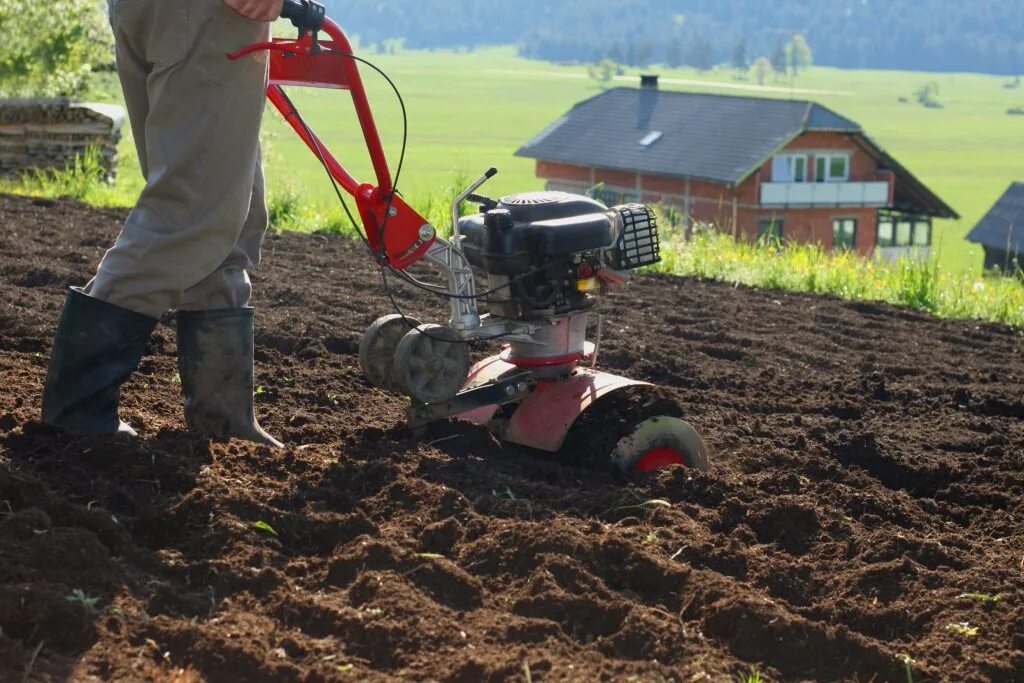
{"x":739,"y":56}
{"x":603,"y":72}
{"x":779,"y":59}
{"x":927,"y":95}
{"x":51,"y":48}
{"x":701,"y":54}
{"x":762,"y":68}
{"x":798,"y":53}
{"x":674,"y":52}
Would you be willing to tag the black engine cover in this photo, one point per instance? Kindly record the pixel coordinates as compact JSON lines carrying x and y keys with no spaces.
{"x":528,"y":229}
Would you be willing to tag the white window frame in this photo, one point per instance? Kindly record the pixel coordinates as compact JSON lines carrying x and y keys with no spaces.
{"x":828,"y":158}
{"x":789,"y":161}
{"x":840,"y":222}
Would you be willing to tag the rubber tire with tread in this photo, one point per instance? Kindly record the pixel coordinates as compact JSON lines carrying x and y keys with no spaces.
{"x":661,"y":432}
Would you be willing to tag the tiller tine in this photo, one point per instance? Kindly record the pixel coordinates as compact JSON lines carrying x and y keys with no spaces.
{"x":646,"y":436}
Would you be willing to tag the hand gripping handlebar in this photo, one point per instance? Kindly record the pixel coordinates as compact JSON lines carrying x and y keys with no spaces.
{"x":304,"y":14}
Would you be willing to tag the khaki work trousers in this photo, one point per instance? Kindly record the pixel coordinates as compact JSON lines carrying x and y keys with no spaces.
{"x":199,"y":223}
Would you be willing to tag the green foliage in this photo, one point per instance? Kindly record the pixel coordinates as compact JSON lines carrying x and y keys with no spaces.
{"x":779,"y":58}
{"x":762,"y":69}
{"x":982,"y":597}
{"x":739,"y":56}
{"x":751,"y":676}
{"x":963,"y":628}
{"x":798,"y":53}
{"x":264,"y":527}
{"x":947,"y":35}
{"x":51,"y":48}
{"x":920,"y":284}
{"x":284,"y":208}
{"x":701,"y":54}
{"x":927,"y":95}
{"x":603,"y":72}
{"x":83,"y":599}
{"x":84,"y":179}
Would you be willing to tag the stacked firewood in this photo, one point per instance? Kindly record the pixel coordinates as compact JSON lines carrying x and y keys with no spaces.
{"x":51,"y":133}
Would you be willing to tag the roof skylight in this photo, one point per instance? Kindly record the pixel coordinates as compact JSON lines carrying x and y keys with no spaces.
{"x":650,"y":138}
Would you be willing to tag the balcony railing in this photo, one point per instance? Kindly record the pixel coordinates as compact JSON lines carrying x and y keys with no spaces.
{"x":825,"y":194}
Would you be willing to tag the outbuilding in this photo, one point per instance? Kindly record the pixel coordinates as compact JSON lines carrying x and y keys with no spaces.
{"x":1001,"y":231}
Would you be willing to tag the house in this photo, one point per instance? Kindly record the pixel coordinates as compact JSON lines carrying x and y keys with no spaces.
{"x":752,"y":166}
{"x":1001,"y":231}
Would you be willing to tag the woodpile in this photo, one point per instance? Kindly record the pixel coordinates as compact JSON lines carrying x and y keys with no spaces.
{"x":50,"y":133}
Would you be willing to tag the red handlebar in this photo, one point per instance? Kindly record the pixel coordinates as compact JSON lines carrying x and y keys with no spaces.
{"x":308,"y":62}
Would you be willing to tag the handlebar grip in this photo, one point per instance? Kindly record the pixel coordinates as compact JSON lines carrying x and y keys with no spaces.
{"x":304,"y":14}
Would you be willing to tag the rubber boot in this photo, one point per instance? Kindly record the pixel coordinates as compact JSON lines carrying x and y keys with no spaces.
{"x":97,"y":347}
{"x":215,"y":361}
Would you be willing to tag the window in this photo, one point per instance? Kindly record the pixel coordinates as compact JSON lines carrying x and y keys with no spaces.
{"x":904,"y":231}
{"x":922,"y":234}
{"x":770,"y":229}
{"x":844,"y":233}
{"x":886,"y":235}
{"x":831,"y":168}
{"x":789,"y":168}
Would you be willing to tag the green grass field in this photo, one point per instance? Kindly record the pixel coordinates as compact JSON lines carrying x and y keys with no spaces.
{"x":469,"y":111}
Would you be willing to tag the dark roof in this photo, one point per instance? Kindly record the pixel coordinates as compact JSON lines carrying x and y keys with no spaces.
{"x":1003,"y":226}
{"x":721,"y":138}
{"x":713,"y":137}
{"x":910,"y":194}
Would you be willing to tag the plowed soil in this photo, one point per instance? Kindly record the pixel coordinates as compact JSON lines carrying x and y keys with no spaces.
{"x":863,"y":519}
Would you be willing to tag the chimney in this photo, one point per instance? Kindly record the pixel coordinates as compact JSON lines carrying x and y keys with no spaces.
{"x":649,"y":81}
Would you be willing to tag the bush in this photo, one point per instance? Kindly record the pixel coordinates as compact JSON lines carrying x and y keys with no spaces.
{"x":50,"y":48}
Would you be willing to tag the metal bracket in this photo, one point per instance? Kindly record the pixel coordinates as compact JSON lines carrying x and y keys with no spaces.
{"x":499,"y":392}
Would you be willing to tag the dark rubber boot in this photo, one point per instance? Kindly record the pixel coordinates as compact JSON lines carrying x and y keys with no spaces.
{"x":215,"y":350}
{"x":97,"y":347}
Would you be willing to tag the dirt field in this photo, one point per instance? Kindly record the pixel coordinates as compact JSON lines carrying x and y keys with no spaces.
{"x":864,"y":504}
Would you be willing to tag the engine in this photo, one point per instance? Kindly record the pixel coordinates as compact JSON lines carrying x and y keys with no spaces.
{"x":551,"y":254}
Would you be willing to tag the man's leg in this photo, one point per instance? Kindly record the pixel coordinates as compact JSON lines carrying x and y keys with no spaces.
{"x":215,"y":338}
{"x":197,"y":126}
{"x":201,"y":141}
{"x":229,"y":285}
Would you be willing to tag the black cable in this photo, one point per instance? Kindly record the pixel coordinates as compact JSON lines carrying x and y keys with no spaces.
{"x":381,"y":257}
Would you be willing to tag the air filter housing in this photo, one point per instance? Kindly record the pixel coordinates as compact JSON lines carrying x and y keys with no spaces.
{"x":638,"y":244}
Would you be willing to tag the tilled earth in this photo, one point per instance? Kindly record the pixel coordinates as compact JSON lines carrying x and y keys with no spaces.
{"x":862,"y":519}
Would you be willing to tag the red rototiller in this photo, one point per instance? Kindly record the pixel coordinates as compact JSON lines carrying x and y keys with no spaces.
{"x":546,"y":258}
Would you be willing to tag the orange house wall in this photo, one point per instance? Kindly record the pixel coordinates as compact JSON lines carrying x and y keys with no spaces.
{"x":862,"y":167}
{"x":737,"y":209}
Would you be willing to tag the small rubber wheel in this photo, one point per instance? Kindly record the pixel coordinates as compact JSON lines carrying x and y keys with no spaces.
{"x":660,"y":442}
{"x":431,"y":364}
{"x":377,"y":349}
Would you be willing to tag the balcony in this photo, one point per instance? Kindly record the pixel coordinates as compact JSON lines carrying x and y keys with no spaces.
{"x":825,"y":194}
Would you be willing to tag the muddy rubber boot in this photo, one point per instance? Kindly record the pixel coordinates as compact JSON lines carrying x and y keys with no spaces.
{"x":215,"y":361}
{"x":97,"y":347}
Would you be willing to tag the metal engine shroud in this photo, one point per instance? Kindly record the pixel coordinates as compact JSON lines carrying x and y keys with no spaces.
{"x":547,"y":255}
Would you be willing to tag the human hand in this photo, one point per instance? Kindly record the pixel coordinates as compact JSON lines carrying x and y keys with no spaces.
{"x":257,"y":10}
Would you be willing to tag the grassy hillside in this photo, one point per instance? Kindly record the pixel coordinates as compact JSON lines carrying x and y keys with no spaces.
{"x":469,"y":111}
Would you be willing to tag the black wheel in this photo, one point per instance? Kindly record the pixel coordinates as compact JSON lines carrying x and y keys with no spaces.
{"x":377,"y":349}
{"x":431,"y":364}
{"x":636,"y":429}
{"x":660,"y":442}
